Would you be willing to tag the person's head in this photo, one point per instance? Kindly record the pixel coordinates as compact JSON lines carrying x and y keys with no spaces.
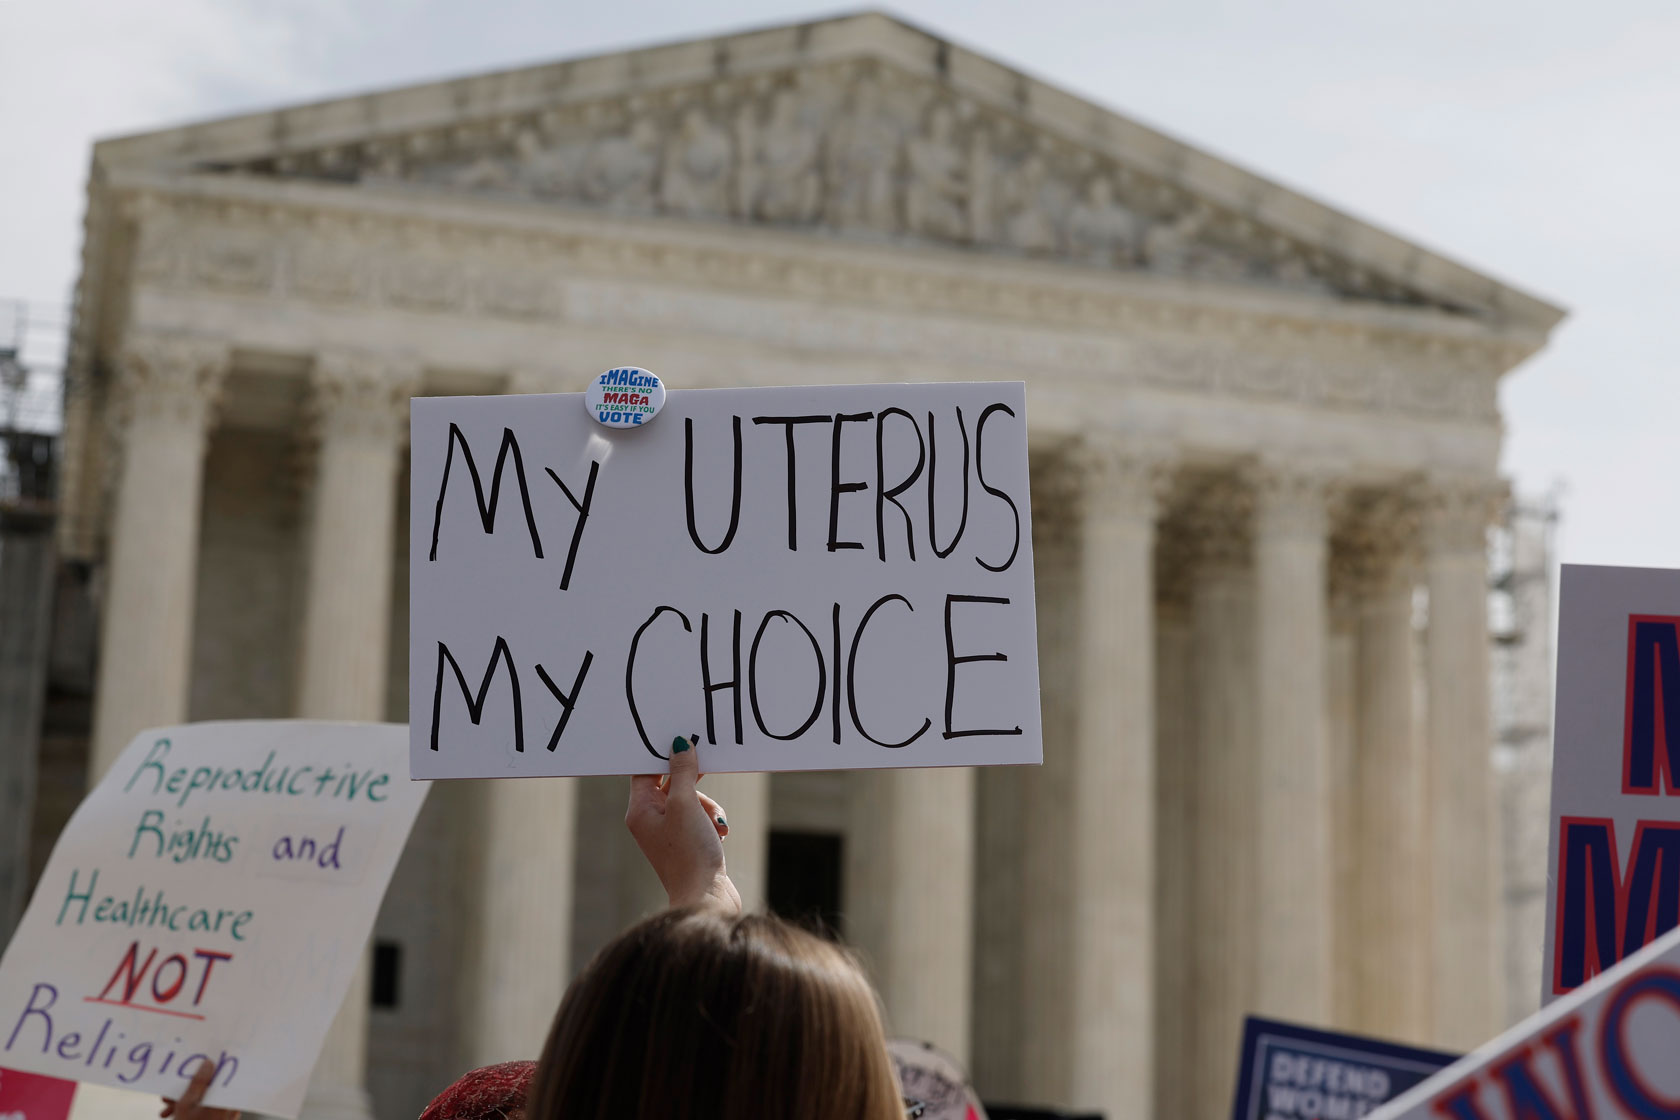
{"x":693,"y":1015}
{"x":490,"y":1093}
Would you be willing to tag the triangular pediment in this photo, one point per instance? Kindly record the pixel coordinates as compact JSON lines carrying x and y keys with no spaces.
{"x":860,"y":127}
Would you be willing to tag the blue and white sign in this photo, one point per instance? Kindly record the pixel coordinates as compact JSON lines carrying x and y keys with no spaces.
{"x":624,"y":397}
{"x":1298,"y":1073}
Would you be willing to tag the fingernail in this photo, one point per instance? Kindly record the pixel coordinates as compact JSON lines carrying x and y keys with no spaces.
{"x":680,"y":745}
{"x":721,"y":822}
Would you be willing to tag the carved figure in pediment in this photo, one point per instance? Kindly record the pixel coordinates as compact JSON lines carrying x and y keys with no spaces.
{"x":749,"y":177}
{"x":936,"y":196}
{"x":790,"y":181}
{"x":981,"y":168}
{"x":697,"y":162}
{"x":1169,"y":245}
{"x":549,"y":170}
{"x":1291,"y":271}
{"x":619,"y":172}
{"x":860,"y":155}
{"x":1031,"y":226}
{"x":1100,"y":230}
{"x":487,"y":172}
{"x":1182,"y":247}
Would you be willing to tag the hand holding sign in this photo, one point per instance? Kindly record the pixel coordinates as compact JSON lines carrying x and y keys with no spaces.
{"x":191,"y":1106}
{"x":680,"y":831}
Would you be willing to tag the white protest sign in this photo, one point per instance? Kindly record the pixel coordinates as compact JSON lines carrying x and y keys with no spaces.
{"x":807,"y":578}
{"x":1614,"y":882}
{"x":209,"y":899}
{"x":1608,"y":1050}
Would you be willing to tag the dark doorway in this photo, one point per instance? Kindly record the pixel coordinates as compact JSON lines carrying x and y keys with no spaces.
{"x":803,"y":879}
{"x":387,"y":974}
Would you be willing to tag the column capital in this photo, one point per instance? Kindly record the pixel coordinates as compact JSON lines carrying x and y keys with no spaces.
{"x":1120,"y":476}
{"x":1055,"y":482}
{"x":171,"y":376}
{"x":1293,"y":499}
{"x":1377,"y":546}
{"x":1176,"y":555}
{"x":1457,"y":511}
{"x":361,"y":395}
{"x":1217,"y":523}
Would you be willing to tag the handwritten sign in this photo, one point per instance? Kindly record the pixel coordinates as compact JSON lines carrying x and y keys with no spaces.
{"x":1289,"y":1072}
{"x":209,"y":899}
{"x":1615,"y":825}
{"x":1606,"y":1050}
{"x":29,"y":1096}
{"x":808,"y":578}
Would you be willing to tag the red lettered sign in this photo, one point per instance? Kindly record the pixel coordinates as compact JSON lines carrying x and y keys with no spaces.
{"x":1615,"y":828}
{"x":1604,"y":1052}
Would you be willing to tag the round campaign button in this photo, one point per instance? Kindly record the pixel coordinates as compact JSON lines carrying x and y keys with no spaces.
{"x":624,"y":397}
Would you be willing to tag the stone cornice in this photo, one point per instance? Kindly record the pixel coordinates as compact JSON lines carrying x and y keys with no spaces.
{"x":294,"y":240}
{"x":440,"y":110}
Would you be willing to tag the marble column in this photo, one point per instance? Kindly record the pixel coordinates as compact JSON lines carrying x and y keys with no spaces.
{"x":1342,"y":653}
{"x":1222,"y":624}
{"x":1388,"y":902}
{"x":1175,"y":830}
{"x":359,"y":404}
{"x":1112,"y":802}
{"x":166,"y":388}
{"x":1465,"y":953}
{"x":516,"y":954}
{"x":910,"y":897}
{"x":1294,"y":920}
{"x":1000,"y":921}
{"x":1047,"y":979}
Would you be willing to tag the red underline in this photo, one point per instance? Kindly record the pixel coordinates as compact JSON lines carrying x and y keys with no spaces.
{"x":143,"y":1007}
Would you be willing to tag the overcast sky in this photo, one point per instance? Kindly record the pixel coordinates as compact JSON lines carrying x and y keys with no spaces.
{"x":1531,"y":139}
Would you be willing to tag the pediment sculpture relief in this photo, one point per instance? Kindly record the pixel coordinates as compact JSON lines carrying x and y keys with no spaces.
{"x":860,"y":149}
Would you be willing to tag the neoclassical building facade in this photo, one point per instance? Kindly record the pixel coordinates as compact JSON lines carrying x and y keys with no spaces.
{"x":1265,"y":439}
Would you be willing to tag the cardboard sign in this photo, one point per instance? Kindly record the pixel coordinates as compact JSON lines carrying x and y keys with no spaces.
{"x":1298,"y":1073}
{"x":807,"y":578}
{"x":210,"y":899}
{"x":1607,"y":1050}
{"x":29,"y":1096}
{"x":1615,"y":829}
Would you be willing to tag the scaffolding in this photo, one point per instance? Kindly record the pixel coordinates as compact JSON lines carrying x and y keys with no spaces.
{"x":31,"y":417}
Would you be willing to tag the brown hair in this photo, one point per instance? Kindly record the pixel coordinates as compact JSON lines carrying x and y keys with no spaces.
{"x":694,"y":1016}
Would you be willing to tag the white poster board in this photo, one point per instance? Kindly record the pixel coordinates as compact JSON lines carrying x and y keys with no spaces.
{"x":1607,"y":1050}
{"x":1614,"y":872}
{"x":807,"y":578}
{"x":210,"y":898}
